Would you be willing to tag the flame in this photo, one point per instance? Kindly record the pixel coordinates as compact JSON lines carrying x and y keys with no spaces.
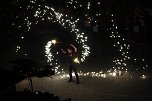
{"x":76,"y":60}
{"x":53,"y":41}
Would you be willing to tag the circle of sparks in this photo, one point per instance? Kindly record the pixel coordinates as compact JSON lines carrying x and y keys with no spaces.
{"x":80,"y":38}
{"x":46,"y":13}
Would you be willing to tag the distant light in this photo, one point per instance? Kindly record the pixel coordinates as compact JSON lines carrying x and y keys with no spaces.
{"x":114,"y":74}
{"x":13,"y":24}
{"x":143,"y":77}
{"x":103,"y":75}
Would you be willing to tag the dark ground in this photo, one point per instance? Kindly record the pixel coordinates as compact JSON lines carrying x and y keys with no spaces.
{"x":128,"y":87}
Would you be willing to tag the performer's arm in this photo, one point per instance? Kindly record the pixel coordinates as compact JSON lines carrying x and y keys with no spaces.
{"x":63,"y":51}
{"x":75,"y":49}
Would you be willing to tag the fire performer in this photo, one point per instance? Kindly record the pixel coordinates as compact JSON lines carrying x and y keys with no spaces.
{"x":71,"y":60}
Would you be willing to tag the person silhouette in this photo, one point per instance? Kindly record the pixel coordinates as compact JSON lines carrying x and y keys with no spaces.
{"x":70,"y":54}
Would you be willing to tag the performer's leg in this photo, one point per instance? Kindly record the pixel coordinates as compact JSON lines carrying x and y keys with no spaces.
{"x":70,"y":72}
{"x":75,"y":71}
